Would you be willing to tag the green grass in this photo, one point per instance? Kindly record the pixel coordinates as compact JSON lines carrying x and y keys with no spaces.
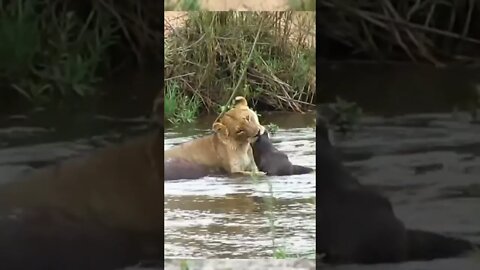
{"x":181,"y":5}
{"x":184,"y":265}
{"x":178,"y":107}
{"x":20,"y":39}
{"x":280,"y":253}
{"x":51,"y":56}
{"x":302,"y":5}
{"x":271,"y":128}
{"x":189,"y":5}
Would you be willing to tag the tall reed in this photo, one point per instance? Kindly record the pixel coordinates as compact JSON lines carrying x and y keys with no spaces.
{"x":207,"y":57}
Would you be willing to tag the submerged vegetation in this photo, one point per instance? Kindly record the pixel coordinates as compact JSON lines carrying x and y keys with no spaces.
{"x":269,"y":57}
{"x":278,"y":251}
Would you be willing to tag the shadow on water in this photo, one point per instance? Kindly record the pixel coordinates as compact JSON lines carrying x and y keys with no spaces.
{"x":390,"y":88}
{"x":231,"y":218}
{"x":428,"y":165}
{"x":30,"y":143}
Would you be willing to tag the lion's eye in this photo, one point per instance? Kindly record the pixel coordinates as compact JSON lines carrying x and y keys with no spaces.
{"x":240,"y":131}
{"x":247,"y":118}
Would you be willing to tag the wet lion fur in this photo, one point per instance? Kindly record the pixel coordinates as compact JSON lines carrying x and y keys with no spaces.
{"x":226,"y":150}
{"x":103,"y":211}
{"x":118,"y":186}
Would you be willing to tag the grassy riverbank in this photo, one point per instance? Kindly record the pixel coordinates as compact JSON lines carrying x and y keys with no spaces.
{"x":269,"y":57}
{"x":54,"y":53}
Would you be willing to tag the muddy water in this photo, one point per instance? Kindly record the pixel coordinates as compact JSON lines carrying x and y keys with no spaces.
{"x":221,"y":217}
{"x":429,"y":167}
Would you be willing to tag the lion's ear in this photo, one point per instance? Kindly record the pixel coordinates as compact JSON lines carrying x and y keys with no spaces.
{"x":240,"y":101}
{"x":220,"y":128}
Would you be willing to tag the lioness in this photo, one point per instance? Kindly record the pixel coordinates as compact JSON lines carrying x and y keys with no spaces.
{"x":118,"y":186}
{"x":176,"y":168}
{"x":99,"y":212}
{"x":268,"y":158}
{"x":228,"y":149}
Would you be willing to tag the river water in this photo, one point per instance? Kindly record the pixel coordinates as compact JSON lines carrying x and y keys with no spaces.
{"x":210,"y":217}
{"x":221,"y":217}
{"x":428,"y":165}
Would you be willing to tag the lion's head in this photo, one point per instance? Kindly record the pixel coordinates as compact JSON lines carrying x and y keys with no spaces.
{"x":240,"y":123}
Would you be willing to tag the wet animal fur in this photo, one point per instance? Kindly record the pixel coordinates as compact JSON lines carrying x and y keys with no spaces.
{"x":358,"y":225}
{"x":104,"y":211}
{"x":227,"y":150}
{"x":272,"y":161}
